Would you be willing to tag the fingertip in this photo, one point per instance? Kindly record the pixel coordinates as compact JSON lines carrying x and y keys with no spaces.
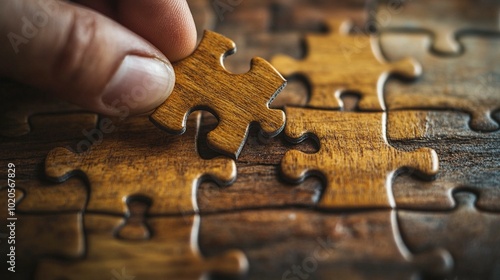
{"x":167,"y":24}
{"x":139,"y":85}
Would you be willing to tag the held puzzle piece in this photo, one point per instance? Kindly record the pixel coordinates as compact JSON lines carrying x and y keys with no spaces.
{"x":354,"y":158}
{"x":139,"y":159}
{"x":469,"y":82}
{"x":237,"y":100}
{"x":445,"y":20}
{"x":339,"y":62}
{"x":469,"y":234}
{"x":170,"y":253}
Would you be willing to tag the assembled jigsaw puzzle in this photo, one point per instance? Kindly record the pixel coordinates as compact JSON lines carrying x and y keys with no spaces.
{"x":354,"y":157}
{"x":380,"y":159}
{"x":469,"y":82}
{"x":443,"y":20}
{"x":339,"y":62}
{"x":163,"y":167}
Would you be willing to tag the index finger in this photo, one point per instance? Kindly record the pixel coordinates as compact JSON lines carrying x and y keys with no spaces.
{"x":167,"y":24}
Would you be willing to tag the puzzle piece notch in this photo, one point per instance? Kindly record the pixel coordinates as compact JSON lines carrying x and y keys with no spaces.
{"x":444,"y":20}
{"x":475,"y":259}
{"x":168,"y":254}
{"x":237,"y":100}
{"x":30,"y":150}
{"x":39,"y":235}
{"x":463,"y":160}
{"x":19,"y":102}
{"x":335,"y":238}
{"x":438,"y":261}
{"x":138,"y":159}
{"x":339,"y":62}
{"x":134,"y":226}
{"x":459,"y":82}
{"x":354,"y":158}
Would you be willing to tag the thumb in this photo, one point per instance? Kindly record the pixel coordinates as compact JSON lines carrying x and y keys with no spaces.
{"x":81,"y":56}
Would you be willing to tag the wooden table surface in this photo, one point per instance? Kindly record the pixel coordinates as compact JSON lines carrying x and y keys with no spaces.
{"x":388,"y":166}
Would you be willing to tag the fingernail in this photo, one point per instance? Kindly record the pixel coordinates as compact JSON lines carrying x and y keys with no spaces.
{"x":140,"y":83}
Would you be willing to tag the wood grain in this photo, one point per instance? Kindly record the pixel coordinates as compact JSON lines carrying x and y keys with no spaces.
{"x":246,"y":96}
{"x":20,"y":102}
{"x":170,"y":253}
{"x":278,"y":225}
{"x":444,"y":20}
{"x":476,"y":258}
{"x":259,"y":183}
{"x":139,"y":159}
{"x":467,"y":159}
{"x":469,"y":82}
{"x":354,"y":159}
{"x":337,"y":63}
{"x":55,"y":234}
{"x":305,"y":244}
{"x":29,"y":151}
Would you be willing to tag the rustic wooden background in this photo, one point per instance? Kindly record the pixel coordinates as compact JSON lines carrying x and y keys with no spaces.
{"x":262,"y":226}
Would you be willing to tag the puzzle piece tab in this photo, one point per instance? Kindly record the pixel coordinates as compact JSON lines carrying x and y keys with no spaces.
{"x":466,"y":159}
{"x":469,"y":234}
{"x":445,"y":20}
{"x":28,"y":152}
{"x":339,"y":62}
{"x":469,"y":82}
{"x":36,"y":236}
{"x":354,"y":159}
{"x":19,"y":102}
{"x":139,"y":159}
{"x":171,"y":253}
{"x":369,"y":241}
{"x":237,"y":100}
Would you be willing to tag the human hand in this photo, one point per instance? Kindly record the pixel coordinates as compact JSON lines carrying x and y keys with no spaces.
{"x":98,"y":54}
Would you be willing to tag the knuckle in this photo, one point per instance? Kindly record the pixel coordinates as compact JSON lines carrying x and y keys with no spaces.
{"x":76,"y":46}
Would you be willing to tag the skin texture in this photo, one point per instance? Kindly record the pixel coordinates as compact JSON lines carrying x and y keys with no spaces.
{"x":73,"y":50}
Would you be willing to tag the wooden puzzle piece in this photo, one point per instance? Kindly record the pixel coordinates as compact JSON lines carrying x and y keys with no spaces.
{"x":28,"y":153}
{"x":304,"y":15}
{"x":469,"y":234}
{"x":469,"y":83}
{"x":306,"y":244}
{"x":354,"y":158}
{"x":170,"y":253}
{"x":259,"y":184}
{"x":338,"y":62}
{"x":19,"y":102}
{"x":35,"y":236}
{"x":134,"y":226}
{"x":466,"y":159}
{"x":445,"y":20}
{"x":237,"y":100}
{"x":139,"y":159}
